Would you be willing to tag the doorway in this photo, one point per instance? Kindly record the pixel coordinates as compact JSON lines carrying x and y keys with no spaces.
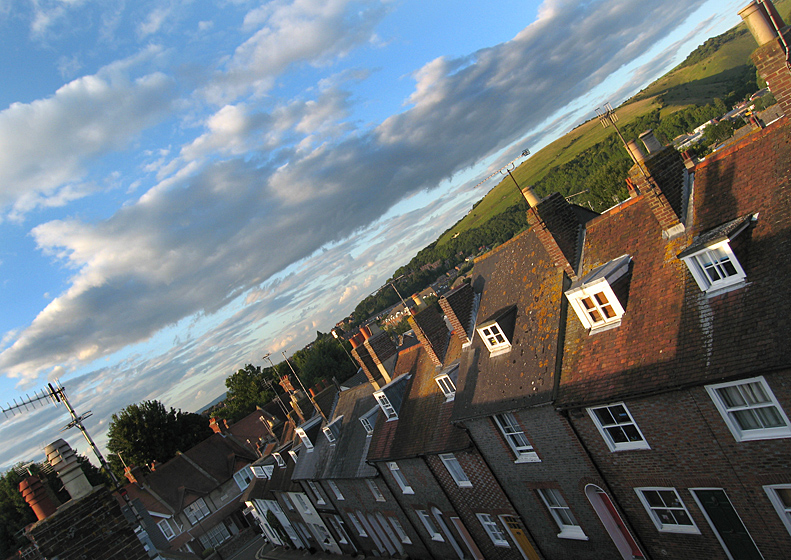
{"x":726,"y":523}
{"x":613,"y":523}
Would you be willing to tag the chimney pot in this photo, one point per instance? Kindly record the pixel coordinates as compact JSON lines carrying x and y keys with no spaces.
{"x":651,"y":143}
{"x":634,"y":150}
{"x":63,"y":459}
{"x":530,"y":196}
{"x":35,"y":494}
{"x":758,"y":22}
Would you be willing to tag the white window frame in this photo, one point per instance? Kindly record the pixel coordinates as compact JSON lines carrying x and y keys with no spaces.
{"x":243,"y":477}
{"x":653,"y":511}
{"x":303,"y":502}
{"x":400,"y":478}
{"x":384,"y":403}
{"x":447,"y":387}
{"x":167,"y":529}
{"x":428,"y":524}
{"x":513,"y":433}
{"x":562,"y":514}
{"x":357,"y":525}
{"x":377,"y":494}
{"x":399,"y":529}
{"x":748,"y":390}
{"x":494,"y":338}
{"x":293,"y":455}
{"x":328,"y":434}
{"x":596,"y":315}
{"x":305,"y":439}
{"x":493,"y":530}
{"x":197,"y":507}
{"x":335,"y":490}
{"x":335,"y":521}
{"x":782,"y":509}
{"x":316,"y":492}
{"x":279,"y":459}
{"x":368,"y":422}
{"x":619,"y":423}
{"x":215,"y":535}
{"x":455,"y":470}
{"x":715,"y":256}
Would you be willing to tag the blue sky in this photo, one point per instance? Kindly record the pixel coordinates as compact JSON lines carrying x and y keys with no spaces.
{"x":185,"y":186}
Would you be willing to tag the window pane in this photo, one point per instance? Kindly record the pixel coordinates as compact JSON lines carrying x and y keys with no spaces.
{"x":604,"y":416}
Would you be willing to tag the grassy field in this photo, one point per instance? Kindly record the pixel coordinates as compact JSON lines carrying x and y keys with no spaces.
{"x":698,"y":83}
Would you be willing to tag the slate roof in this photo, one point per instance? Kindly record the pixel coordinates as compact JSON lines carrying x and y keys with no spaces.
{"x":423,"y":425}
{"x":714,"y":236}
{"x":192,"y":474}
{"x":672,"y":335}
{"x":518,"y":273}
{"x":345,"y":458}
{"x":250,"y":427}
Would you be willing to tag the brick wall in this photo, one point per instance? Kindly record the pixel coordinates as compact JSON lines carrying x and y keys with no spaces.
{"x":432,"y":333}
{"x":485,"y":496}
{"x":92,"y":527}
{"x":770,"y":62}
{"x":458,"y":308}
{"x":691,"y":447}
{"x":357,"y":497}
{"x":564,"y":466}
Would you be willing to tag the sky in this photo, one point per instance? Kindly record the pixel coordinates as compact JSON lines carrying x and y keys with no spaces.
{"x":186,"y":186}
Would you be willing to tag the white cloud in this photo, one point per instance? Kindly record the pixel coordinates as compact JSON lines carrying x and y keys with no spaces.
{"x":288,"y":33}
{"x":46,"y":145}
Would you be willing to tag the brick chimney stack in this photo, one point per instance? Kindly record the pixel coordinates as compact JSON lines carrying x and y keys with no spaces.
{"x":558,"y":225}
{"x":218,"y":425}
{"x":381,"y":348}
{"x":660,"y":175}
{"x":460,"y":306}
{"x":432,"y":333}
{"x":771,"y":57}
{"x":363,"y":357}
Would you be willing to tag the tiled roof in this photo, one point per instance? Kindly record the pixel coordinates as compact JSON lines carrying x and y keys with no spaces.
{"x":518,"y":273}
{"x":672,"y":334}
{"x":423,"y":425}
{"x":345,"y":458}
{"x":720,"y":233}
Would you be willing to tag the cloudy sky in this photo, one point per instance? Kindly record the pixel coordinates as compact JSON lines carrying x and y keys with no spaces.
{"x":185,"y":186}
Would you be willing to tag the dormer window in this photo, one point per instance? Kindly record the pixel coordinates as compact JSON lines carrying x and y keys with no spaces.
{"x":368,"y":420}
{"x":496,"y":332}
{"x":593,"y":297}
{"x":293,"y":455}
{"x":305,"y":439}
{"x":386,"y":406}
{"x":332,"y":430}
{"x":711,"y":259}
{"x":279,"y":459}
{"x":446,"y":380}
{"x":263,"y":471}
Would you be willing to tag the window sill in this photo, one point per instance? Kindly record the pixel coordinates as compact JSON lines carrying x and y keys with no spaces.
{"x":689,"y":530}
{"x":607,"y":327}
{"x":573,"y":533}
{"x":720,"y":290}
{"x":466,"y":484}
{"x":437,"y":538}
{"x":527,"y":458}
{"x":499,"y":351}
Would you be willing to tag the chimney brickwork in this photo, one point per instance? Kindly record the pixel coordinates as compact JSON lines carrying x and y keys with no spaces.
{"x":458,"y":307}
{"x":432,"y":333}
{"x":557,"y":226}
{"x":771,"y":63}
{"x":363,"y":357}
{"x":90,"y":527}
{"x":660,"y":178}
{"x":381,"y":348}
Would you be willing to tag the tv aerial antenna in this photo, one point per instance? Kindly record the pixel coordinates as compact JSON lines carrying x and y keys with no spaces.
{"x":507,"y":167}
{"x":57,"y":394}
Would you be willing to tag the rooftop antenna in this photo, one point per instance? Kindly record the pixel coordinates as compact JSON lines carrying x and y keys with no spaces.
{"x":271,"y":386}
{"x":608,"y":116}
{"x":511,"y":163}
{"x":312,"y":400}
{"x":57,"y":394}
